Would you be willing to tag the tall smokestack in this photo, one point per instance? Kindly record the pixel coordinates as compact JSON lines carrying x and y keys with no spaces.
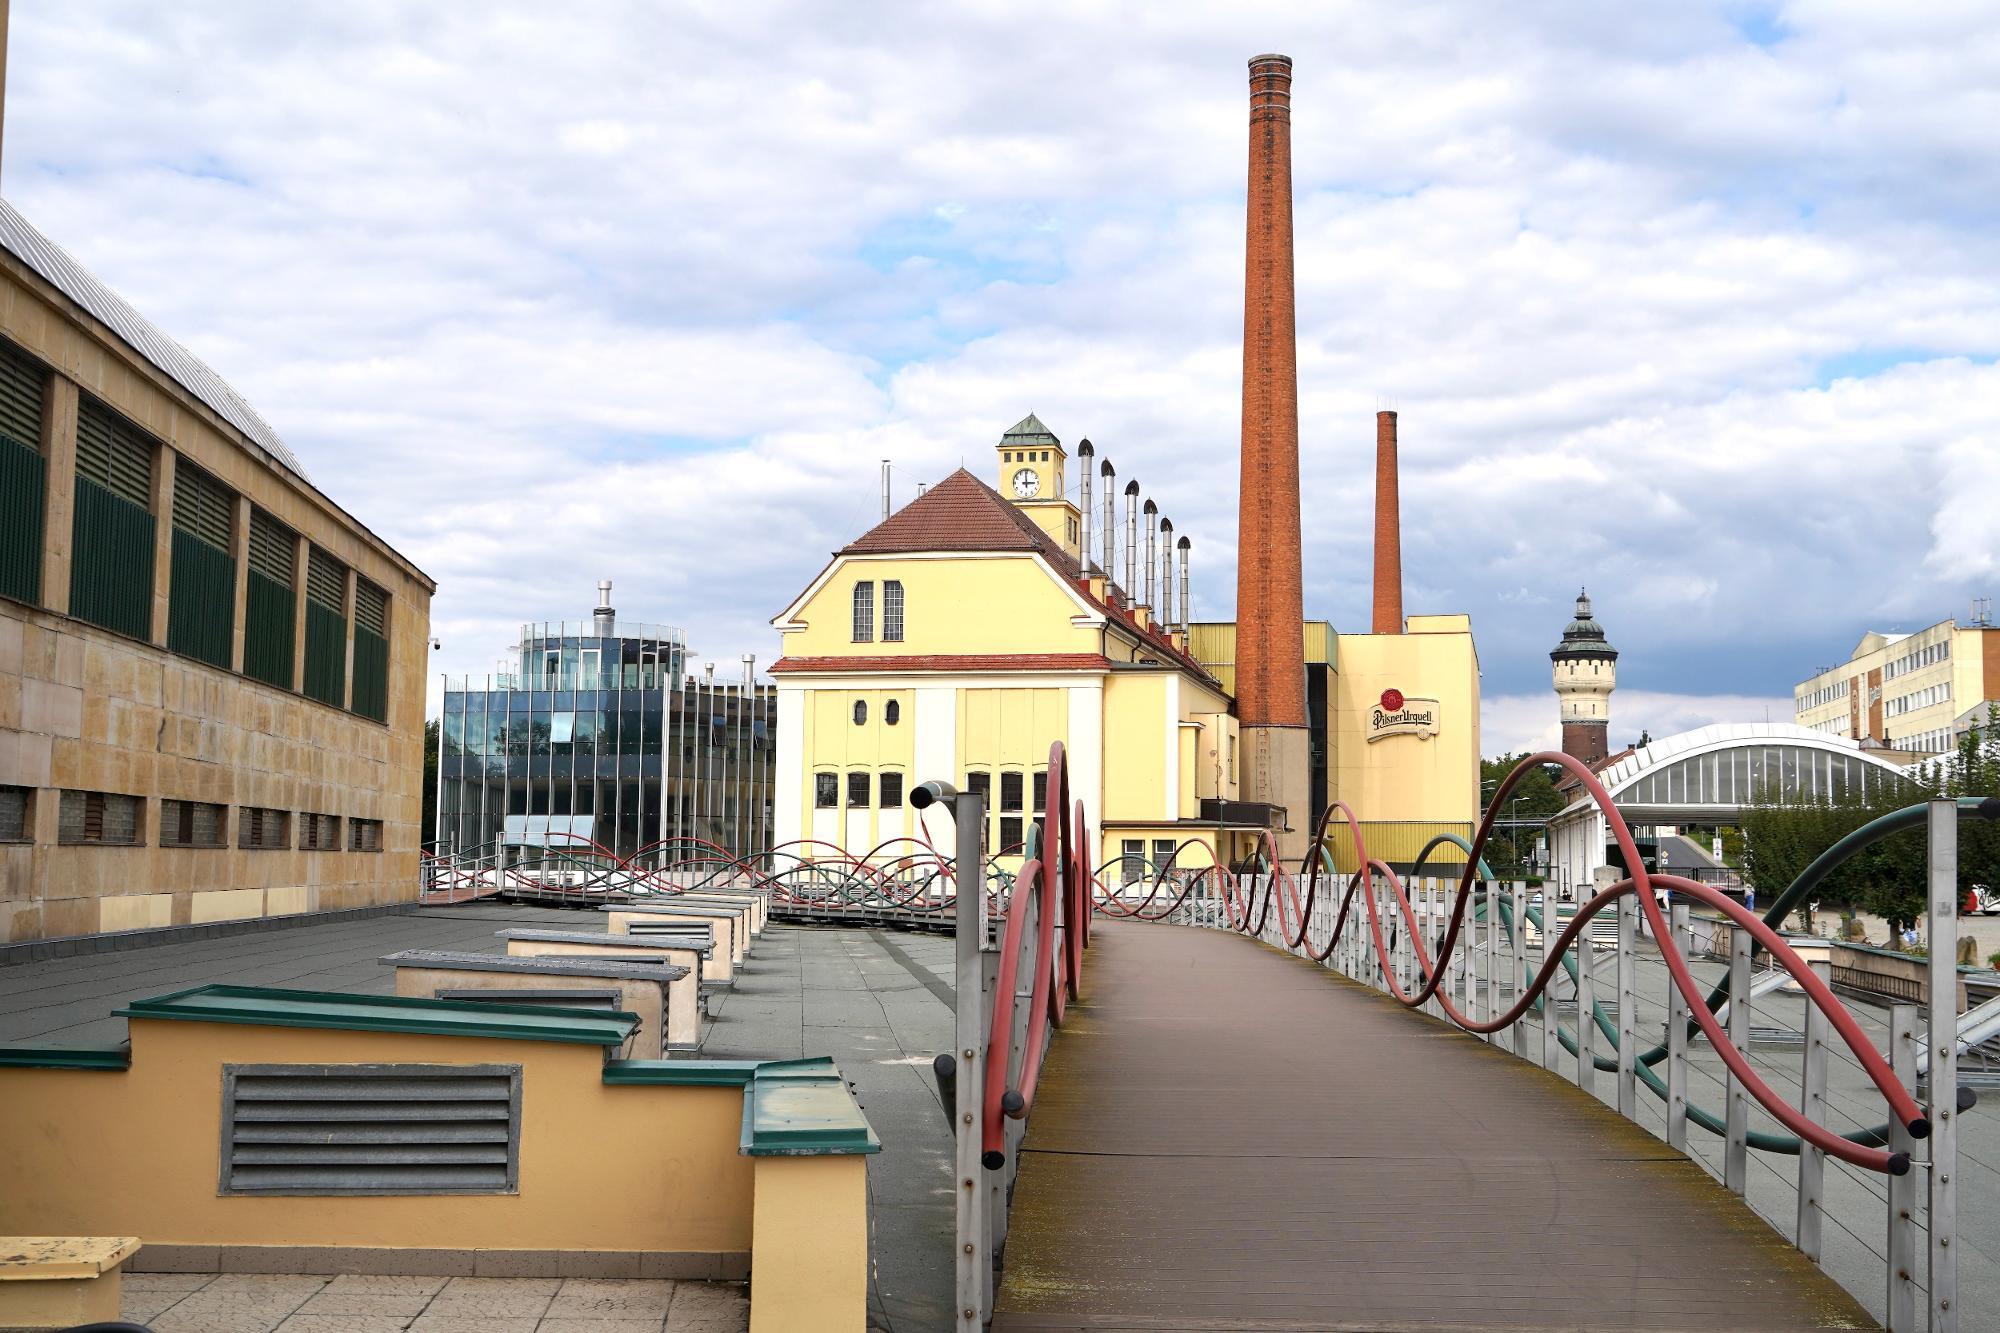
{"x":1110,"y":519}
{"x":1166,"y":602}
{"x":1084,"y":452}
{"x":1388,"y":530}
{"x":885,"y":489}
{"x":1186,"y":619}
{"x":1132,"y":542}
{"x":603,"y":617}
{"x":1145,"y":594}
{"x":1270,"y":602}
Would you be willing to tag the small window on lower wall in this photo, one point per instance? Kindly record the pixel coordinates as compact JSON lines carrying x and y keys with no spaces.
{"x":17,"y":814}
{"x":371,"y":1129}
{"x":364,"y":835}
{"x":892,"y":791}
{"x":99,"y":819}
{"x":1011,"y":836}
{"x":319,"y":833}
{"x":193,"y":824}
{"x":857,"y":791}
{"x":259,"y":828}
{"x":826,"y":791}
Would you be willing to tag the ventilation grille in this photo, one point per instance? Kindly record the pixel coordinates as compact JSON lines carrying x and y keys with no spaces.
{"x":22,"y":382}
{"x":371,"y":1129}
{"x":270,"y":548}
{"x":326,"y":581}
{"x":14,"y":814}
{"x":114,"y":453}
{"x":201,"y":506}
{"x":371,"y":608}
{"x":596,"y":1001}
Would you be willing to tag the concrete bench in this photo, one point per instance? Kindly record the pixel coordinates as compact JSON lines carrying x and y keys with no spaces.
{"x":61,"y":1281}
{"x":666,"y":998}
{"x":731,"y":935}
{"x":697,"y":952}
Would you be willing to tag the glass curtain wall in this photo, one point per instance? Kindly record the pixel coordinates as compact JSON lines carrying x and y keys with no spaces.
{"x":601,"y":733}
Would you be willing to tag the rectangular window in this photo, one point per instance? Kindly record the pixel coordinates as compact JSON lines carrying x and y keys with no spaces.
{"x":1132,"y":861}
{"x":319,"y":833}
{"x":269,"y":611}
{"x":1010,"y":790}
{"x":369,"y":694}
{"x":193,"y":824}
{"x":892,"y":611}
{"x":111,"y":540}
{"x":17,"y":814}
{"x":864,"y":613}
{"x":1041,"y":801}
{"x":370,"y":1129}
{"x":365,"y":835}
{"x":826,"y":791}
{"x":892,"y":791}
{"x":1012,"y":834}
{"x":326,"y":629}
{"x":983,"y":784}
{"x":99,"y":819}
{"x":1163,"y":852}
{"x":857,"y":791}
{"x":23,"y":474}
{"x":261,"y":829}
{"x":201,"y":604}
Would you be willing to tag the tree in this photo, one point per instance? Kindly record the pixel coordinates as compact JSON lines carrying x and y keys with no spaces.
{"x":428,"y":829}
{"x":1533,"y":798}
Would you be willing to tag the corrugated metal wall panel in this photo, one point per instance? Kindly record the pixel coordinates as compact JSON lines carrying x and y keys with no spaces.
{"x":23,"y":493}
{"x":371,"y":1129}
{"x":201,"y":606}
{"x":267,"y":630}
{"x":371,"y":675}
{"x":271,"y":547}
{"x":111,"y":561}
{"x":202,"y":505}
{"x":23,"y":384}
{"x":326,"y":655}
{"x":114,"y":453}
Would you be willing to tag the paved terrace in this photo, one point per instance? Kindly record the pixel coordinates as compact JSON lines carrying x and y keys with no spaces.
{"x":878,"y":1002}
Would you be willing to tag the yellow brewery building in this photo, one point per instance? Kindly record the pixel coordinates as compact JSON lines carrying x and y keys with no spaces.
{"x":972,"y":627}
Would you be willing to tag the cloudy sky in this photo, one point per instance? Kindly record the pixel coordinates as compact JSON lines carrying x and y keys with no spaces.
{"x":1697,"y":305}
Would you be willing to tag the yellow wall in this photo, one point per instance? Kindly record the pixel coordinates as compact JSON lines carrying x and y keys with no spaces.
{"x":835,"y":745}
{"x":658,"y":1169}
{"x":811,"y":1267}
{"x":1002,"y":604}
{"x":1409,"y":777}
{"x":1135,"y":746}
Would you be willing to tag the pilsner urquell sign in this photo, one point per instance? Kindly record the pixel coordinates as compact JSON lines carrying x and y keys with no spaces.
{"x":1395,"y":715}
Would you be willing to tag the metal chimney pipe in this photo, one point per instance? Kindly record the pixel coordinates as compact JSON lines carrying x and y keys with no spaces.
{"x":749,"y":670}
{"x":603,"y":617}
{"x":1110,"y":477}
{"x":1166,"y":602}
{"x":1185,"y":619}
{"x":1085,"y":451}
{"x":885,"y":488}
{"x":1145,"y":597}
{"x":1131,"y":542}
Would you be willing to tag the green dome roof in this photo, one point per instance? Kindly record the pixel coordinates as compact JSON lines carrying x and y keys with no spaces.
{"x":1583,"y":636}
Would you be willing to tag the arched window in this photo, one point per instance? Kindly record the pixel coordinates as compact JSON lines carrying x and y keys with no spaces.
{"x":892,"y":713}
{"x":892,"y":611}
{"x":864,"y":613}
{"x":860,"y":712}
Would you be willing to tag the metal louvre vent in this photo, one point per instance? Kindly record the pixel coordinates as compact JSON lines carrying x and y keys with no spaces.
{"x":326,"y":580}
{"x":201,"y":505}
{"x":114,"y":453}
{"x":270,"y":548}
{"x":371,"y":1129}
{"x":22,"y":382}
{"x":371,"y":608}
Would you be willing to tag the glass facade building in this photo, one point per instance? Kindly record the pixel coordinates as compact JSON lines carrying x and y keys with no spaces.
{"x":601,"y":731}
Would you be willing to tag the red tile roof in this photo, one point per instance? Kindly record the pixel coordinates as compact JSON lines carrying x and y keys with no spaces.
{"x":963,"y":513}
{"x":950,"y":662}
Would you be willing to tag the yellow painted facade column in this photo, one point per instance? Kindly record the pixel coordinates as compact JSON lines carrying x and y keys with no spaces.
{"x":809,"y":1245}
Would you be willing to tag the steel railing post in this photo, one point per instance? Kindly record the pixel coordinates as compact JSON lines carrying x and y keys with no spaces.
{"x":974,"y":1250}
{"x":1586,"y":1003}
{"x":1942,"y":1034}
{"x":1492,"y":1008}
{"x":1902,"y":1241}
{"x":1677,"y":1037}
{"x":1812,"y":1104}
{"x":1518,"y":905}
{"x":1736,"y":1151}
{"x":1551,"y":1042}
{"x":1628,"y":1005}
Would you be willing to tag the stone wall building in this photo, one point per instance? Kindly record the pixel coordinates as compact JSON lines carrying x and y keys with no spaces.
{"x":211,"y":676}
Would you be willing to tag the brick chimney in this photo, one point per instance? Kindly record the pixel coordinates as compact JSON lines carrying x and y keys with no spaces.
{"x":1388,"y":530}
{"x":1270,"y":601}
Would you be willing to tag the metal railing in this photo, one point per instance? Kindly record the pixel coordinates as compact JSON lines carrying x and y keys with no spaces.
{"x":1473,"y":952}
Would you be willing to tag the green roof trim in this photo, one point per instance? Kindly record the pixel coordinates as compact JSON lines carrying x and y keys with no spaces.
{"x":802,"y":1108}
{"x":118,"y":1058}
{"x":270,"y":1007}
{"x":682,"y":1073}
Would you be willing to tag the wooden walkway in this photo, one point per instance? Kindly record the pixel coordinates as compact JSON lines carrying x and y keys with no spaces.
{"x":1227,"y":1137}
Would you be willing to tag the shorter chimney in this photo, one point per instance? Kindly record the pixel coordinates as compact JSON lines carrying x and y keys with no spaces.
{"x":603,"y":618}
{"x":1110,"y":519}
{"x":1085,"y":451}
{"x":1132,"y":542}
{"x":1186,"y":621}
{"x":1166,"y":602}
{"x":885,"y":488}
{"x":1145,"y":594}
{"x":1388,"y":530}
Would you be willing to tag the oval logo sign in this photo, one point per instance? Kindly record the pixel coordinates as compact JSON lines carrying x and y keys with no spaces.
{"x":1392,"y":701}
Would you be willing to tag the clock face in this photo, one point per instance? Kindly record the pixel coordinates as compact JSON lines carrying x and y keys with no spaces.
{"x":1026,"y":483}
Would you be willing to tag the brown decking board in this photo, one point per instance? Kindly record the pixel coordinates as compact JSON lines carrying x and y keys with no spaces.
{"x":1227,"y":1137}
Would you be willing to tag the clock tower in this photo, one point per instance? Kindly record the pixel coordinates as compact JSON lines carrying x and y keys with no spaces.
{"x":1031,"y":476}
